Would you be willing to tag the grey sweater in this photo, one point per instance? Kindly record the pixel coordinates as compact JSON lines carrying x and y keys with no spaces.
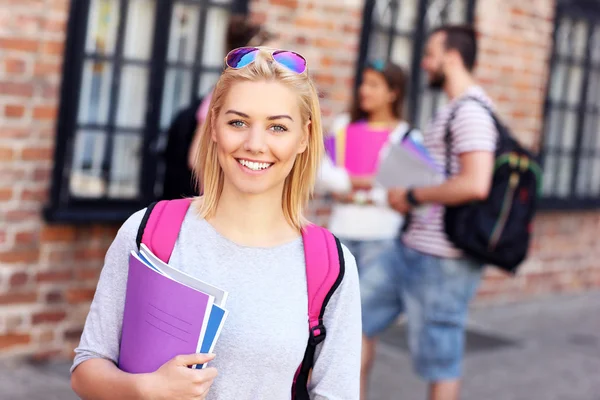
{"x":264,"y":338}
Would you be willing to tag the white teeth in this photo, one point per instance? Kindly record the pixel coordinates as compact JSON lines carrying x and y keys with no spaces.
{"x":255,"y":166}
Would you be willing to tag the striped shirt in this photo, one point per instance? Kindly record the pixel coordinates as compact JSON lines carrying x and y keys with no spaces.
{"x":472,"y":129}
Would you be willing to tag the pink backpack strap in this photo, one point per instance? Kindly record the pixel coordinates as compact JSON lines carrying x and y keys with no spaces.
{"x":160,"y":226}
{"x":324,"y":274}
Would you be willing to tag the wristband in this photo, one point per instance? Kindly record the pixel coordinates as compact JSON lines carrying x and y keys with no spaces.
{"x":411,"y":199}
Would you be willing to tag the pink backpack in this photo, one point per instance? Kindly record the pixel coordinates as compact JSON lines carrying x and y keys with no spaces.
{"x":160,"y":228}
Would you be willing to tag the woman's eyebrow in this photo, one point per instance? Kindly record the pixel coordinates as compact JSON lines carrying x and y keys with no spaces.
{"x":271,"y":118}
{"x":282,"y":116}
{"x":239,"y":113}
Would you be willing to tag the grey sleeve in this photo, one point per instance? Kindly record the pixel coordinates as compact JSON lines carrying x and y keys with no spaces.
{"x":336,"y":372}
{"x":102,"y":331}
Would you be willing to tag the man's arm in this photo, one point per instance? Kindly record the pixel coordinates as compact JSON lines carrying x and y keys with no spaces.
{"x":472,"y":183}
{"x":475,"y":136}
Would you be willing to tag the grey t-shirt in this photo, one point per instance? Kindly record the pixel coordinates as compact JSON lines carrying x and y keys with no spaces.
{"x":265,"y":336}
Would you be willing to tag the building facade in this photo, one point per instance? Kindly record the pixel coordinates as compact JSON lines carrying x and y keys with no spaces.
{"x":88,"y":88}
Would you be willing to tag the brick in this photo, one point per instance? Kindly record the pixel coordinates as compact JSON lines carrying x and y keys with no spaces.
{"x":6,"y":194}
{"x":20,"y":89}
{"x":327,"y":62}
{"x":46,"y":336}
{"x":19,"y":44}
{"x":37,"y":195}
{"x":14,"y":339}
{"x":15,"y":132}
{"x":48,"y":316}
{"x":46,"y":112}
{"x":306,"y":22}
{"x":6,"y":154}
{"x":322,"y":79}
{"x":55,"y":25}
{"x":19,"y":256}
{"x":58,"y":233}
{"x":21,"y":216}
{"x":87,"y":274}
{"x":60,"y":7}
{"x":104,"y":232}
{"x":43,"y":153}
{"x":285,"y":3}
{"x":53,"y":48}
{"x":73,"y":334}
{"x":54,"y":276}
{"x":18,"y":279}
{"x":11,"y":173}
{"x":15,"y":66}
{"x":54,"y":297}
{"x":14,"y":111}
{"x":301,"y":40}
{"x":47,"y":68}
{"x":50,"y":91}
{"x":327,"y":43}
{"x":59,"y":256}
{"x":15,"y":298}
{"x":75,"y":296}
{"x":42,"y":174}
{"x":90,"y":254}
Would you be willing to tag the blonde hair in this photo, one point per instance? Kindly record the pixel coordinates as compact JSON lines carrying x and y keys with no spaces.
{"x":299,"y":184}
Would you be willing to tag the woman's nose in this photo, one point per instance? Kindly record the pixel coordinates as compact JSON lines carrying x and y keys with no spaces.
{"x":256,"y":141}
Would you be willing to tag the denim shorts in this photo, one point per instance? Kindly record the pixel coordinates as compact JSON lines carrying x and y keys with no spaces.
{"x":434,"y":293}
{"x":367,"y":252}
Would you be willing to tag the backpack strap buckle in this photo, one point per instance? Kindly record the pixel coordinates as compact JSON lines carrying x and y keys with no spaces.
{"x":317,"y":334}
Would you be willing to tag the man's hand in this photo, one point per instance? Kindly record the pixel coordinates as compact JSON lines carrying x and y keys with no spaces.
{"x":397,"y":200}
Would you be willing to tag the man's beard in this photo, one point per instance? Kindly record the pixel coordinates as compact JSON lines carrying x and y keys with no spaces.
{"x":437,"y":80}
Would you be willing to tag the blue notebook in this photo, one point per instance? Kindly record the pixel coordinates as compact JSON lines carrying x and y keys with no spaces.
{"x":213,"y":330}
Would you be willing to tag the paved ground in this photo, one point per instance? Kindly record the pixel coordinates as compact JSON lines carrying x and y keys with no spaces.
{"x":544,"y":350}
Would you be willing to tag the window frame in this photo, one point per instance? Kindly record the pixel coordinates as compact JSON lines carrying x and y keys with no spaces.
{"x":589,"y":11}
{"x":419,"y":36}
{"x":64,"y":207}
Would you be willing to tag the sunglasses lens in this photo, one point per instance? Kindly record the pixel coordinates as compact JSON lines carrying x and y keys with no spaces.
{"x":241,"y":57}
{"x":292,"y":61}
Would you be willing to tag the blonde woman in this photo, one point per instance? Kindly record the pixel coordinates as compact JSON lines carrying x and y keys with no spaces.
{"x":259,"y":155}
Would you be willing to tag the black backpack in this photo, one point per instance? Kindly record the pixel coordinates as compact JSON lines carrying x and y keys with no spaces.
{"x":497,"y":230}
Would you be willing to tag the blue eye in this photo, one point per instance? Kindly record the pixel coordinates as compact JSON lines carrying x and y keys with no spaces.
{"x":279,"y":128}
{"x":237,"y":123}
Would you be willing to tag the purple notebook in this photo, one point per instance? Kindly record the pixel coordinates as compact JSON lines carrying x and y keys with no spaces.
{"x":162,"y":319}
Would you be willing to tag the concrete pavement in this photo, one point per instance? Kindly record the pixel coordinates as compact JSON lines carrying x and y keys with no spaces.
{"x":543,"y":350}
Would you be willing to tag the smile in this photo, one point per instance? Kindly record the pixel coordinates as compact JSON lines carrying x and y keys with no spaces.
{"x":253,"y":165}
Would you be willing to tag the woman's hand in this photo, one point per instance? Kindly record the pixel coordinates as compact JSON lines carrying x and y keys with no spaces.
{"x":174,"y":380}
{"x":344,"y":198}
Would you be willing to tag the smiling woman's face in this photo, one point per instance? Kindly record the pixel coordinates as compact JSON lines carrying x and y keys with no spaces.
{"x":258,"y":133}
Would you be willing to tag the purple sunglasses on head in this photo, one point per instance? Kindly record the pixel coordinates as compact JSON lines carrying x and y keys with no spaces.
{"x":244,"y":56}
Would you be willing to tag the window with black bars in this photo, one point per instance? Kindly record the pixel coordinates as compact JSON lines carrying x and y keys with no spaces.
{"x":571,"y":149}
{"x":130,"y":66}
{"x":397,"y":30}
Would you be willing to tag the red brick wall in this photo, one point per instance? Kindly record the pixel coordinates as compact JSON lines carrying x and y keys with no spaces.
{"x":47,"y":274}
